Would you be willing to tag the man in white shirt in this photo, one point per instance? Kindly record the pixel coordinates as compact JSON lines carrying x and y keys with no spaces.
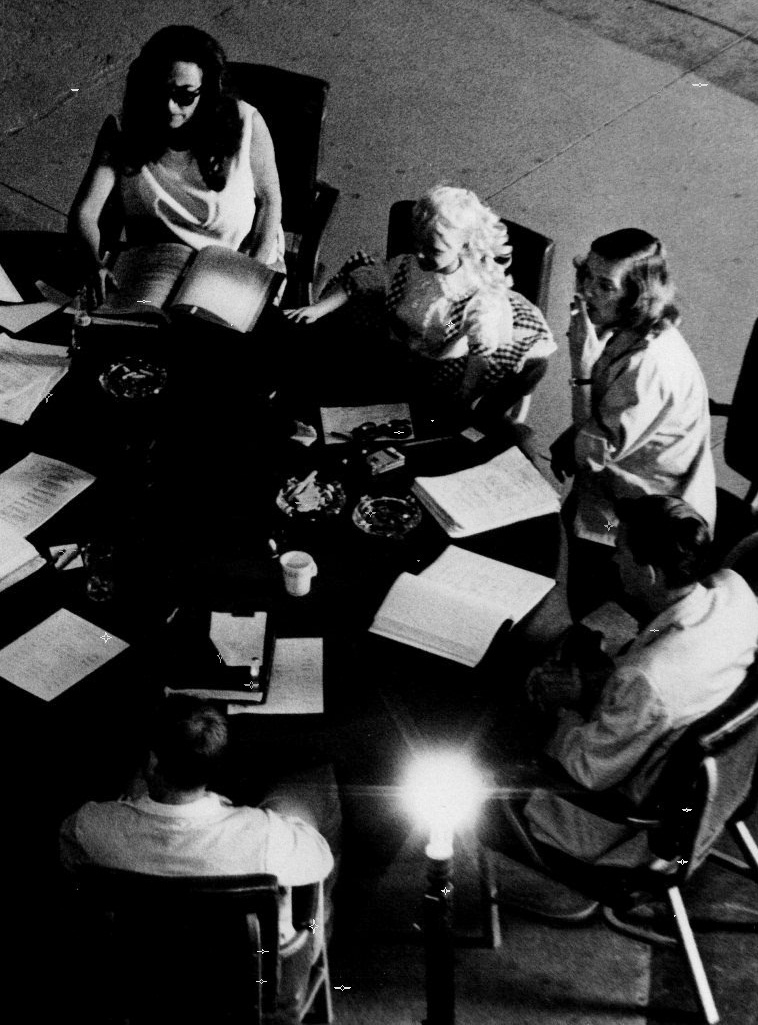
{"x":171,"y":824}
{"x":696,"y":643}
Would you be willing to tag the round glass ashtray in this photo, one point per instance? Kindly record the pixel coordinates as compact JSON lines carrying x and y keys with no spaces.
{"x":387,"y":516}
{"x":311,"y":498}
{"x":133,"y":378}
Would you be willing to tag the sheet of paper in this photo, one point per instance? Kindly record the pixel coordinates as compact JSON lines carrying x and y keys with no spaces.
{"x":15,"y":550}
{"x":56,"y":654}
{"x":18,"y":318}
{"x":297,"y":680}
{"x":337,"y":420}
{"x":28,"y":373}
{"x":35,"y":488}
{"x":238,"y":639}
{"x":8,"y":291}
{"x":515,"y":591}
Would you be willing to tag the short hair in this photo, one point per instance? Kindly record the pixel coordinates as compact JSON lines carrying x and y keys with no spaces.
{"x":484,"y":233}
{"x":647,"y":304}
{"x":666,"y":532}
{"x":216,"y":125}
{"x":188,"y":738}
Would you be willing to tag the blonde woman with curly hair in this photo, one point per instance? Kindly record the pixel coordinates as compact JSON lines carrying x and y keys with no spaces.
{"x":449,"y":307}
{"x":640,"y":404}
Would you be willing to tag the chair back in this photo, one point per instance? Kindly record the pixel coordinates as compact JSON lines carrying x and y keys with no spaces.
{"x":532,"y":253}
{"x":294,"y":108}
{"x":740,"y":448}
{"x":709,"y":780}
{"x":202,"y":942}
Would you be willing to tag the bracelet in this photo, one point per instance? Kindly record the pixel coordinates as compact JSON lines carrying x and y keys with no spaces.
{"x":576,"y":381}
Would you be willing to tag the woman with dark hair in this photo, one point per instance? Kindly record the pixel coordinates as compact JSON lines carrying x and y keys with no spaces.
{"x":189,"y":162}
{"x":639,"y":404}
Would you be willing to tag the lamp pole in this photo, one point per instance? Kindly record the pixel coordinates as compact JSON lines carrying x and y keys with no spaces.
{"x":438,"y":933}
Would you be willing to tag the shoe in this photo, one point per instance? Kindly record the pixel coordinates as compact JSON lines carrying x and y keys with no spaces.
{"x":530,"y":892}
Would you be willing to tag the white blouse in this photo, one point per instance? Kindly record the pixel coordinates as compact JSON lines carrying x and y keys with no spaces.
{"x":172,"y":190}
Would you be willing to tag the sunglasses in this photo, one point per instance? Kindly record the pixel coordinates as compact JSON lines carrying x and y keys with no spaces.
{"x":395,"y":429}
{"x":182,"y":95}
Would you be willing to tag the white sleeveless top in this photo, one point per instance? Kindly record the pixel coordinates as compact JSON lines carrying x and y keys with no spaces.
{"x":172,"y":190}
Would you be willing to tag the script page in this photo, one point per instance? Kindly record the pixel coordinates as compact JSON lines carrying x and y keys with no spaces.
{"x":443,"y":621}
{"x":297,"y":682}
{"x":512,"y":590}
{"x":8,"y":291}
{"x":56,"y":654}
{"x":230,"y":286}
{"x":35,"y":488}
{"x":28,"y":372}
{"x":146,"y":276}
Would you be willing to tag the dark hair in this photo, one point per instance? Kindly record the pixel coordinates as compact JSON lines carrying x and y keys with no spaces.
{"x":188,"y":738}
{"x":215,"y":128}
{"x":666,"y":532}
{"x":649,"y":291}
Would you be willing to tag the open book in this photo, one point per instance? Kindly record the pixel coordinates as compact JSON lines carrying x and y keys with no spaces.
{"x":215,"y":283}
{"x":457,"y":605}
{"x":505,"y":490}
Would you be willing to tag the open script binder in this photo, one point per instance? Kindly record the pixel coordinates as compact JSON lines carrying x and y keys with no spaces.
{"x":216,"y":284}
{"x":457,"y":605}
{"x":504,"y":490}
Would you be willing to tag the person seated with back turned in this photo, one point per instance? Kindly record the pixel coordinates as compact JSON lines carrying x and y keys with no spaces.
{"x":188,"y":161}
{"x":171,"y":824}
{"x":614,"y":729}
{"x":449,"y":308}
{"x":639,"y":405}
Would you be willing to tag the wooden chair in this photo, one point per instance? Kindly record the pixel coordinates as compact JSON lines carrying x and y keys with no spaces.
{"x":196,"y":949}
{"x":530,"y":270}
{"x":294,"y":109}
{"x":708,"y":786}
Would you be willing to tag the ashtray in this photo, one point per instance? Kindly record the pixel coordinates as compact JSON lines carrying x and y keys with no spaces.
{"x":387,"y":516}
{"x":311,"y":498}
{"x":133,"y":379}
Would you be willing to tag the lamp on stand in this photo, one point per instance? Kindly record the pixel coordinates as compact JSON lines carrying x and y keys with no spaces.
{"x":442,"y":791}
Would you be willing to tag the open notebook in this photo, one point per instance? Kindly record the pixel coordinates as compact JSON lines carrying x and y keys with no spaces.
{"x":457,"y":605}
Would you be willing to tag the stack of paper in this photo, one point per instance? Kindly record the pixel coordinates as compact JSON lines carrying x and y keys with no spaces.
{"x":457,"y":605}
{"x":505,"y":490}
{"x":18,"y":558}
{"x":28,"y":373}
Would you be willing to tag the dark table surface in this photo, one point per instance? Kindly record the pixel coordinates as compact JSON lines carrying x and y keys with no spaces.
{"x":193,"y":532}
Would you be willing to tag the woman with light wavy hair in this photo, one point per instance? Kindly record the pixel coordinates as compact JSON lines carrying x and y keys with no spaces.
{"x":640,"y":404}
{"x":467,"y":337}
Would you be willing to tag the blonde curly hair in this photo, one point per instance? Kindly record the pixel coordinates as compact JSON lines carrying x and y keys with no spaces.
{"x":485,"y":236}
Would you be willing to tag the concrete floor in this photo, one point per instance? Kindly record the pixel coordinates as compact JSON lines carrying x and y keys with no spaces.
{"x":572,"y":116}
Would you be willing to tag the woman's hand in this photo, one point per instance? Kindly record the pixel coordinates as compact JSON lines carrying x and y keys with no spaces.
{"x":304,"y":314}
{"x":562,"y":461}
{"x":584,"y":345}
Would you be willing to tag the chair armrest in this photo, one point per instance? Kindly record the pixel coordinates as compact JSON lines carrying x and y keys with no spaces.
{"x":719,"y":408}
{"x":306,"y":259}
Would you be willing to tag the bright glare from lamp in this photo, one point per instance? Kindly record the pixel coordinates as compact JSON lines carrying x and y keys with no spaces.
{"x":442,"y":792}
